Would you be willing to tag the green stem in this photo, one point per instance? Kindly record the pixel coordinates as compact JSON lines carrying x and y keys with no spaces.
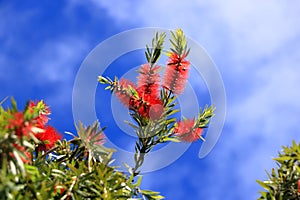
{"x":139,"y":162}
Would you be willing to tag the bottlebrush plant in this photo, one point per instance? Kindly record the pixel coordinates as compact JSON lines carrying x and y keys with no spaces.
{"x":151,"y":104}
{"x":36,"y":163}
{"x":284,"y":181}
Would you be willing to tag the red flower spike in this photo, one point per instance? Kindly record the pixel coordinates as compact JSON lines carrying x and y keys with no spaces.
{"x":298,"y":186}
{"x":176,"y":74}
{"x":146,"y":103}
{"x":43,"y":118}
{"x":18,"y":124}
{"x":154,"y":107}
{"x":122,"y":93}
{"x":187,"y":131}
{"x":149,"y":80}
{"x":17,"y":121}
{"x":147,"y":106}
{"x":156,"y":111}
{"x":48,"y":138}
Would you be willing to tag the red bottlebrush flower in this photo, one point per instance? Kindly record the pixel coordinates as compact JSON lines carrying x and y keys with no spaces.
{"x":148,"y":106}
{"x":17,"y":121}
{"x":144,"y":103}
{"x":176,"y":74}
{"x":298,"y":186}
{"x":121,"y":91}
{"x":43,"y":118}
{"x":19,"y":125}
{"x":48,"y":138}
{"x":155,"y":107}
{"x":149,"y":80}
{"x":187,"y":131}
{"x":156,"y":111}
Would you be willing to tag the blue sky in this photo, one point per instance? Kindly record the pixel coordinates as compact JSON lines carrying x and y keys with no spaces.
{"x":256,"y":46}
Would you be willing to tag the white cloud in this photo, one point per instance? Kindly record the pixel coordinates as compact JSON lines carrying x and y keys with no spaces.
{"x":50,"y":61}
{"x":274,"y":103}
{"x":10,"y":27}
{"x":58,"y":59}
{"x":249,"y":28}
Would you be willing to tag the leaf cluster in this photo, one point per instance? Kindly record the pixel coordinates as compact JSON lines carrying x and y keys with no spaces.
{"x":153,"y":53}
{"x":283,"y":181}
{"x":179,"y":43}
{"x":80,"y":168}
{"x":150,"y":133}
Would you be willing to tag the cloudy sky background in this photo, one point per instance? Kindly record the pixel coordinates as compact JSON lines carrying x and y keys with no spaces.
{"x":255,"y":45}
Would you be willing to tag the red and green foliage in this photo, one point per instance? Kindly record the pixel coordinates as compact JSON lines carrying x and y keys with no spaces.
{"x":36,"y":163}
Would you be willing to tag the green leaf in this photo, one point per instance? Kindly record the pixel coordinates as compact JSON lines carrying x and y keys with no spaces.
{"x":149,"y":192}
{"x":158,"y":197}
{"x":263,"y":184}
{"x":282,"y":158}
{"x":129,"y":169}
{"x":13,"y":104}
{"x":108,"y":87}
{"x":69,"y":133}
{"x":20,"y":163}
{"x":171,"y":139}
{"x":139,"y":181}
{"x":103,"y":80}
{"x":3,"y":100}
{"x":171,"y":112}
{"x":28,"y":144}
{"x":132,"y":125}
